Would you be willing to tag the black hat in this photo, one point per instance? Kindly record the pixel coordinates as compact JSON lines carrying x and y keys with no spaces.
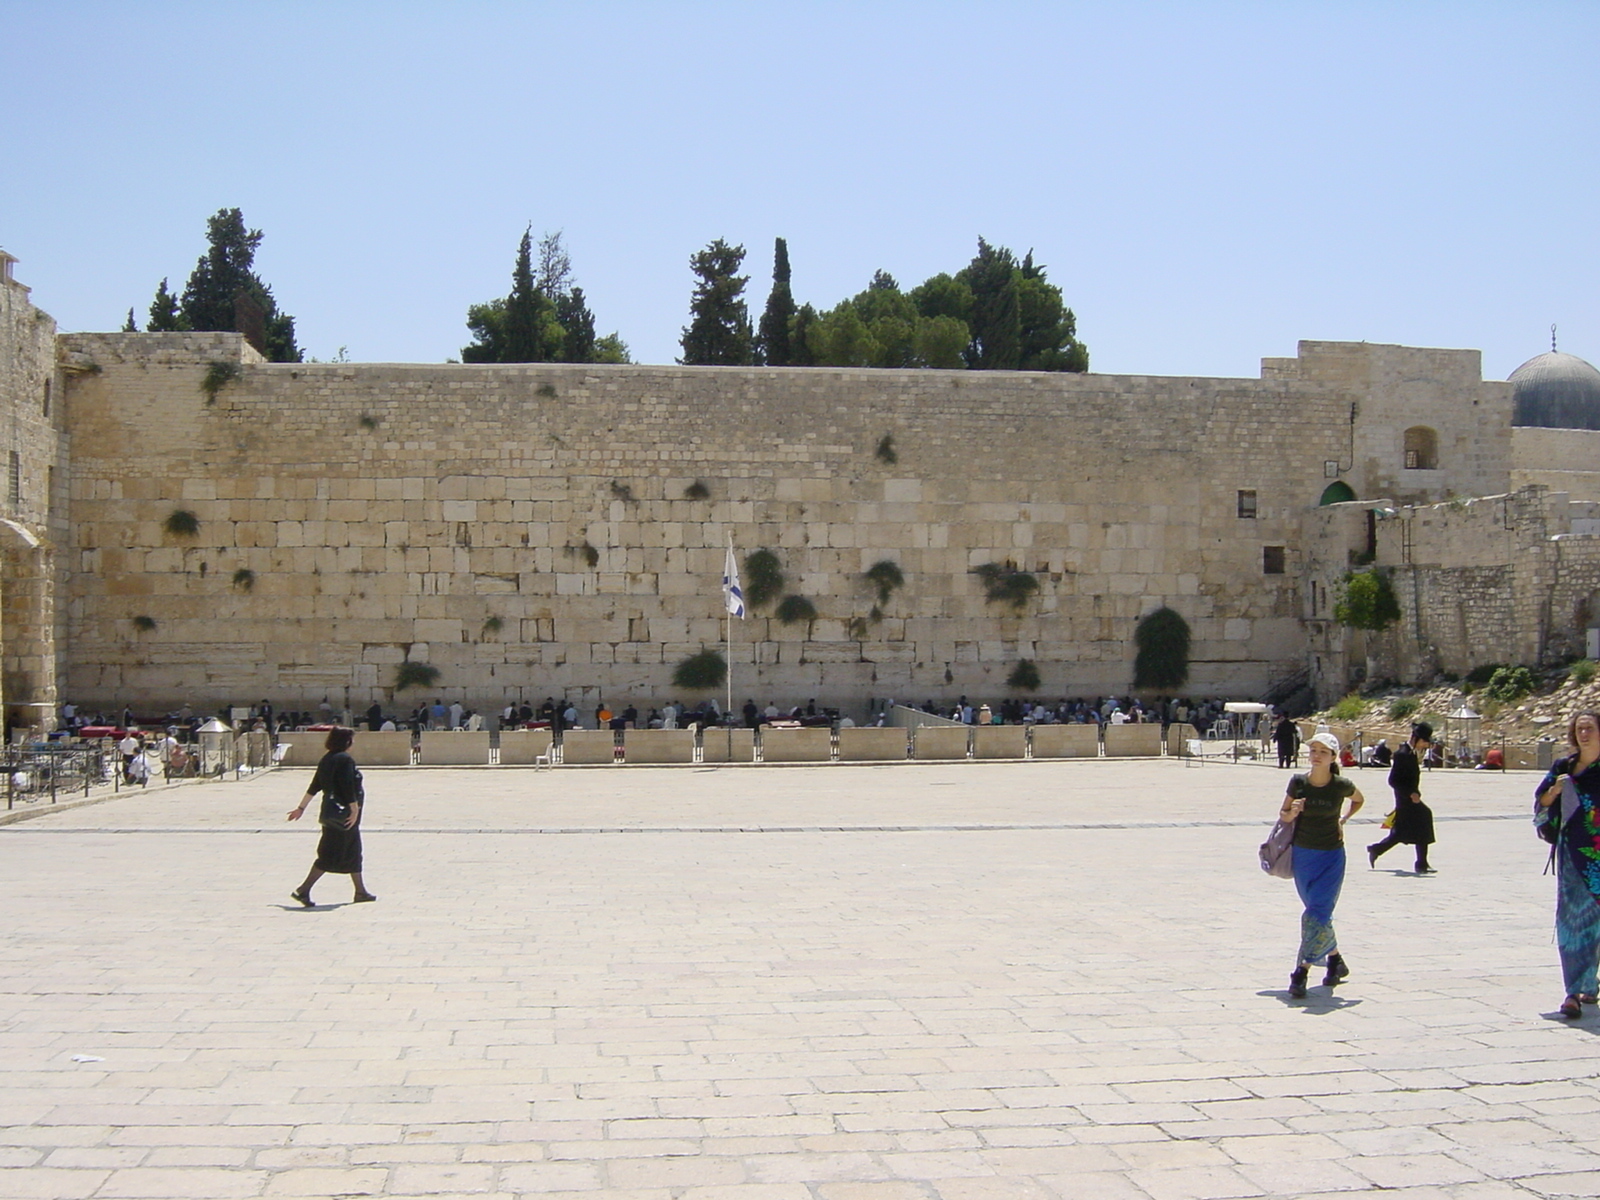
{"x":1422,"y":730}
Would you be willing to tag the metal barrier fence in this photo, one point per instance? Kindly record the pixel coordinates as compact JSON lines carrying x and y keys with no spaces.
{"x":33,"y":772}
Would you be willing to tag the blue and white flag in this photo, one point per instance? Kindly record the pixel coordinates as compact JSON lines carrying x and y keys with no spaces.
{"x":732,"y":596}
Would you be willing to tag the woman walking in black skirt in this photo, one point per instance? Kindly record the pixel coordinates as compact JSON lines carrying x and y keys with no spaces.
{"x":1413,"y":820}
{"x":339,"y":851}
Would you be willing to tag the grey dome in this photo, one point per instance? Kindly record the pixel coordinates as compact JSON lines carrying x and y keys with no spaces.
{"x":1556,"y":391}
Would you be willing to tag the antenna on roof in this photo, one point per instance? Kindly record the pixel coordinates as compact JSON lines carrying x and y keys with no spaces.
{"x":1552,"y":337}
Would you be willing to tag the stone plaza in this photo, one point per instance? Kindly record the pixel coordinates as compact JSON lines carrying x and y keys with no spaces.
{"x":958,"y":981}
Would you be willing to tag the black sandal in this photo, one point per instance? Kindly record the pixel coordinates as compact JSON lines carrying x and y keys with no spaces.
{"x":305,"y":900}
{"x":363,"y":898}
{"x":1572,"y":1008}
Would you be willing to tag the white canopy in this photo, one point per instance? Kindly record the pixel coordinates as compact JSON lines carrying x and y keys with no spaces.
{"x":1246,"y":706}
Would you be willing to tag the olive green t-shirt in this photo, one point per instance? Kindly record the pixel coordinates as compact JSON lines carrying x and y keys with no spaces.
{"x":1319,"y":820}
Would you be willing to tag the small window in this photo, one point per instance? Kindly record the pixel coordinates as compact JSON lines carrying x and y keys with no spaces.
{"x":16,"y":480}
{"x":47,"y":397}
{"x":1247,"y":504}
{"x":1421,"y":449}
{"x":1272,"y":560}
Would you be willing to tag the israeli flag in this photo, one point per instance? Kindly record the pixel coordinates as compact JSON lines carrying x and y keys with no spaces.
{"x":732,"y":596}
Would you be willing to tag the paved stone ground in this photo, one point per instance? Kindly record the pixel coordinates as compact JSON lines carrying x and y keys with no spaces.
{"x":921,"y":982}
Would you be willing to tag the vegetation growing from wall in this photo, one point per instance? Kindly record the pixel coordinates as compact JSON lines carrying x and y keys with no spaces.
{"x":700,"y":672}
{"x":763,"y":578}
{"x":1024,"y":676}
{"x":414,"y":674}
{"x":218,"y":376}
{"x":886,"y":453}
{"x":795,"y":609}
{"x":181,"y":522}
{"x":144,"y":624}
{"x":886,"y":578}
{"x":1367,"y":601}
{"x":1161,"y":661}
{"x":244,"y":579}
{"x":1003,"y":583}
{"x":697,"y":491}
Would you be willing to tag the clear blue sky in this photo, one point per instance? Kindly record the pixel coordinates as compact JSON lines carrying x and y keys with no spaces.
{"x":1208,"y":183}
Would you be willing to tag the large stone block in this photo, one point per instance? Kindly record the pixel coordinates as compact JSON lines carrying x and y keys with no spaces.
{"x":382,"y":749}
{"x":1133,"y":741}
{"x":1066,"y":741}
{"x":872,"y":745}
{"x":940,"y":741}
{"x":796,"y":745}
{"x":999,"y":741}
{"x":658,"y":746}
{"x":521,"y":747}
{"x":454,"y":748}
{"x":587,"y":746}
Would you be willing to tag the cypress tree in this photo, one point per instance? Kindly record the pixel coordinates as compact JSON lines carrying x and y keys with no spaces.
{"x":776,"y":349}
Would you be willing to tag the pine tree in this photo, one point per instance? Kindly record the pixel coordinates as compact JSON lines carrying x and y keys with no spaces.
{"x":578,"y":323}
{"x":164,"y":316}
{"x":996,"y":320}
{"x":130,"y":325}
{"x":780,"y":312}
{"x":719,"y":332}
{"x":223,"y":293}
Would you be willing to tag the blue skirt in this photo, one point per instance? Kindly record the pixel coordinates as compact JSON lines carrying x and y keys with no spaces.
{"x":1318,"y":877}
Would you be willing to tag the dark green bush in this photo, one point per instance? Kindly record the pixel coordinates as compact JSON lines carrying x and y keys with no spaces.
{"x":1024,"y":676}
{"x":415,"y":674}
{"x":1162,"y":659}
{"x":700,"y":672}
{"x":763,"y":578}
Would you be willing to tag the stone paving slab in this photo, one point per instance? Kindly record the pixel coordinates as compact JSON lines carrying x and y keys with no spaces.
{"x":902,"y":982}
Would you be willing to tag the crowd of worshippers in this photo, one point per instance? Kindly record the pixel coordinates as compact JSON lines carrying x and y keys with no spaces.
{"x":1102,"y":711}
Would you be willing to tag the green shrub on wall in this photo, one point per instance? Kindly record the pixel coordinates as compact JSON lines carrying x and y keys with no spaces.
{"x":795,"y":609}
{"x":1003,"y":583}
{"x":763,"y":578}
{"x":181,"y":522}
{"x":700,"y":672}
{"x":1024,"y":676}
{"x":1162,"y":660}
{"x":885,"y":577}
{"x":415,"y":674}
{"x":1367,"y":602}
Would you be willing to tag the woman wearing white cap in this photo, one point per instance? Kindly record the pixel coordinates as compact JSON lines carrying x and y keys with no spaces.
{"x":1314,"y":801}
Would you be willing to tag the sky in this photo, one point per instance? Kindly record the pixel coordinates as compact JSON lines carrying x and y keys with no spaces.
{"x":1208,"y":183}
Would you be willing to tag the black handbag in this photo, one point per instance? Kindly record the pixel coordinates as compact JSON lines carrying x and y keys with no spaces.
{"x":333,"y":812}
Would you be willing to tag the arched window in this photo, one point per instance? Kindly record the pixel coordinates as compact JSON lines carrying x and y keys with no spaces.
{"x":1337,"y":492}
{"x":1421,"y":449}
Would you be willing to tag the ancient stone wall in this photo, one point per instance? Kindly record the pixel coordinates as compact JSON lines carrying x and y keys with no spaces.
{"x":30,"y":471}
{"x":539,"y":529}
{"x":1492,"y":579}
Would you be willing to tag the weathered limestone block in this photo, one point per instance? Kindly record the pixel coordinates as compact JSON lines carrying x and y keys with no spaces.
{"x":796,"y":745}
{"x":588,"y":746}
{"x":521,"y":747}
{"x":454,"y":748}
{"x":658,"y":746}
{"x":381,"y":749}
{"x":872,"y":745}
{"x":1133,"y":741}
{"x":940,"y":742}
{"x":999,"y":741}
{"x":1066,"y":741}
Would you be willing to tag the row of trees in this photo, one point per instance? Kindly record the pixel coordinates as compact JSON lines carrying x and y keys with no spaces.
{"x":995,"y":314}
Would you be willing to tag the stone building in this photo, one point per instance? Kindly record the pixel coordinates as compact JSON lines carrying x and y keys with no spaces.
{"x":191,"y":523}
